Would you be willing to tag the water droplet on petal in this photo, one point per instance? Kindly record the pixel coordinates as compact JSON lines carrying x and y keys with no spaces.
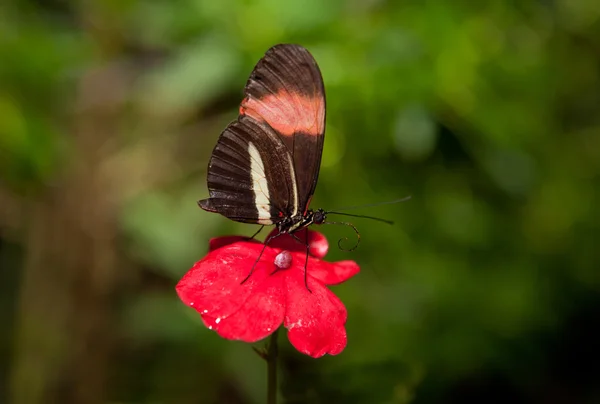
{"x":192,"y":303}
{"x":205,"y":311}
{"x":218,"y":320}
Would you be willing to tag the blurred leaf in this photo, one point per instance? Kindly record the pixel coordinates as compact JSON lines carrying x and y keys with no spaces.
{"x":198,"y":73}
{"x":381,"y":382}
{"x":164,"y":231}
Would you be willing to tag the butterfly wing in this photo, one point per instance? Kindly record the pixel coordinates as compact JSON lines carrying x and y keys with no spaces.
{"x":250,"y":175}
{"x":286,"y":91}
{"x":265,"y":165}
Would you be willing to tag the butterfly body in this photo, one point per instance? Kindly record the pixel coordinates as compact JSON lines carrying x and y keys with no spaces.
{"x":296,"y":223}
{"x":265,"y":166}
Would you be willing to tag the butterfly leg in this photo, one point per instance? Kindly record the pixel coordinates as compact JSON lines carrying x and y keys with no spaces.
{"x":306,"y":260}
{"x":267,"y":241}
{"x":256,"y":234}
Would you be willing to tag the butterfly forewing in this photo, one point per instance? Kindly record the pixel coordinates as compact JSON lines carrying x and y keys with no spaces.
{"x":265,"y":165}
{"x":286,"y":91}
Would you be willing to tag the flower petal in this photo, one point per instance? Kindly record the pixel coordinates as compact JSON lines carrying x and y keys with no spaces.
{"x":258,"y":317}
{"x":315,"y":320}
{"x":318,"y":245}
{"x":213,"y":285}
{"x":333,"y":273}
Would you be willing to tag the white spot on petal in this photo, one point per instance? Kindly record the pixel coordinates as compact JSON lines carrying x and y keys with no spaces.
{"x":296,"y":324}
{"x":283,"y":260}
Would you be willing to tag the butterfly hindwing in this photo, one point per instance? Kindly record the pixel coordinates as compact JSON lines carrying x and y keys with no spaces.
{"x":248,"y":175}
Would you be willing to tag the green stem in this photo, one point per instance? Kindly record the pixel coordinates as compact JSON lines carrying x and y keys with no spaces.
{"x":272,"y":369}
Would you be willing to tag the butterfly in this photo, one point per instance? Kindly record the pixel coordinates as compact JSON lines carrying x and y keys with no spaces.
{"x":265,"y":166}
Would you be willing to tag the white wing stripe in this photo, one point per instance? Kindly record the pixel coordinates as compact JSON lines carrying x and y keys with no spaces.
{"x":259,"y":186}
{"x":294,"y":185}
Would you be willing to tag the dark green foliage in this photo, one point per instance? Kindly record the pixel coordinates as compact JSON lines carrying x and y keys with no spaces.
{"x":486,"y":113}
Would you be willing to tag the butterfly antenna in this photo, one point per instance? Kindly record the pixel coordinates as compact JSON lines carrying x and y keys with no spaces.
{"x":346,"y":238}
{"x":363,"y":216}
{"x":336,"y":212}
{"x":372,"y":205}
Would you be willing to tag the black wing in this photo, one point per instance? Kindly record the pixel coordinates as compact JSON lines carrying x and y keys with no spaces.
{"x":250,"y":175}
{"x":266,"y":164}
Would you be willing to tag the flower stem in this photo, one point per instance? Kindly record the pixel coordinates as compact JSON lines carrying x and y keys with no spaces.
{"x":272,"y":369}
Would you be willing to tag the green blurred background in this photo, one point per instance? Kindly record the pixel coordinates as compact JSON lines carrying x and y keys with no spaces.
{"x":487,"y":113}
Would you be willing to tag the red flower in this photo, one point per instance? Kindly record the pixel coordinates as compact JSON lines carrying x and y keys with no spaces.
{"x":274,"y":294}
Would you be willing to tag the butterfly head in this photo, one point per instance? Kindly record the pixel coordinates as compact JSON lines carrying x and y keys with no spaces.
{"x":318,"y":216}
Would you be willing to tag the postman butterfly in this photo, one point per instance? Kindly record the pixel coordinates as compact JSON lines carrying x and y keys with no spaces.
{"x":265,"y":166}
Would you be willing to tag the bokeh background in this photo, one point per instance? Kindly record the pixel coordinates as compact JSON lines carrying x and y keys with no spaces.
{"x":488,"y":113}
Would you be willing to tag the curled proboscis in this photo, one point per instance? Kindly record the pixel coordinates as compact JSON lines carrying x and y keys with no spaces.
{"x":340,"y":241}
